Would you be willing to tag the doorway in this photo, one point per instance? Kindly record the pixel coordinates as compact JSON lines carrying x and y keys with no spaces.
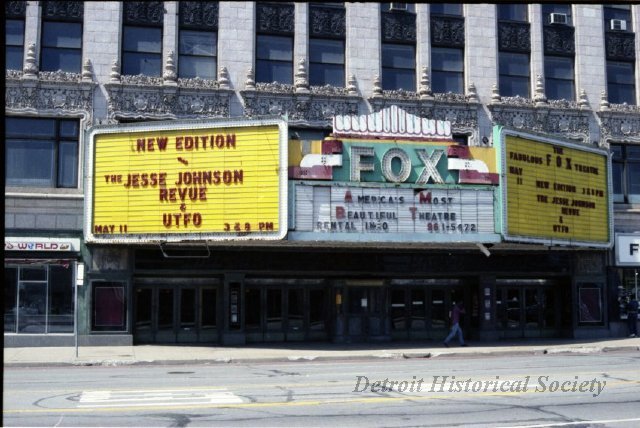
{"x":176,"y":313}
{"x":365,"y":315}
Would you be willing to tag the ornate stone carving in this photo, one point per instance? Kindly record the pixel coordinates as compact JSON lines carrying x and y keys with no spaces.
{"x":275,"y":18}
{"x":15,"y":9}
{"x":30,"y":68}
{"x":447,"y":31}
{"x":352,"y":85}
{"x":170,"y":77}
{"x":563,"y":119}
{"x":559,"y":40}
{"x":223,"y":78}
{"x":114,"y":76}
{"x":514,"y":36}
{"x":424,"y":91}
{"x":398,"y":27}
{"x":199,"y":14}
{"x":327,"y":22}
{"x":50,"y":93}
{"x":250,"y":83}
{"x":314,"y":107}
{"x":144,"y":12}
{"x":302,"y":85}
{"x":145,"y":97}
{"x":539,"y":96}
{"x":619,"y":123}
{"x":377,"y":86}
{"x":87,"y":71}
{"x":495,"y":95}
{"x":620,"y":46}
{"x":68,"y":10}
{"x":472,"y":93}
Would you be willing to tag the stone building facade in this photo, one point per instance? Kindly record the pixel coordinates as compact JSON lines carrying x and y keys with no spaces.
{"x":100,"y":92}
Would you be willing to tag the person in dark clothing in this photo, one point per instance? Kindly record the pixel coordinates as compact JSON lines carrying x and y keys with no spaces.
{"x":458,"y":309}
{"x":632,"y":317}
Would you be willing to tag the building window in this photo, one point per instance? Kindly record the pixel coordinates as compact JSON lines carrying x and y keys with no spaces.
{"x":514,"y":50}
{"x":61,"y":40}
{"x":14,"y":34}
{"x":559,"y":78}
{"x":447,"y":70}
{"x":198,"y":39}
{"x":619,"y":42}
{"x":447,"y":48}
{"x":142,"y":38}
{"x":326,"y":45}
{"x":39,"y":299}
{"x":41,"y":152}
{"x":512,"y":12}
{"x":398,"y":47}
{"x":621,"y":86}
{"x":626,"y":173}
{"x":274,"y":43}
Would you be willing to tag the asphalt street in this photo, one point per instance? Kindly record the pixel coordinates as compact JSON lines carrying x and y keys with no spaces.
{"x":542,"y":390}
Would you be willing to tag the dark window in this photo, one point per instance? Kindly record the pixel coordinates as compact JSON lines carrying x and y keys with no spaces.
{"x":512,"y":12}
{"x":274,"y":59}
{"x":454,"y":9}
{"x":326,"y":45}
{"x":198,"y":40}
{"x":39,"y":299}
{"x":559,"y":77}
{"x":626,"y":173}
{"x":41,"y":152}
{"x":447,"y":70}
{"x":514,"y":74}
{"x":621,"y":86}
{"x":274,"y":42}
{"x":142,"y":38}
{"x":253,"y":305}
{"x":14,"y":34}
{"x":562,"y":9}
{"x":317,"y":309}
{"x":398,"y":66}
{"x":620,"y":12}
{"x":61,"y":38}
{"x":109,"y":307}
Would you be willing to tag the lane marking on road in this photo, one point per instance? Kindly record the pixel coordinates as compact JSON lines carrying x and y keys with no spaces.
{"x":152,"y":398}
{"x":564,"y":424}
{"x":341,"y":401}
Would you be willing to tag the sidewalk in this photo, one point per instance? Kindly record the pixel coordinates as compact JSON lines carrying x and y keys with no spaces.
{"x":278,"y":352}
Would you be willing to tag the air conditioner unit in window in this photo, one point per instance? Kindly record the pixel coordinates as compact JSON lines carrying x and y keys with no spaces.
{"x":618,"y":24}
{"x":559,"y":18}
{"x":398,"y":6}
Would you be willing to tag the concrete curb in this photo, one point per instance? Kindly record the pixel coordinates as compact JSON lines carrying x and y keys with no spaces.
{"x":477,"y":353}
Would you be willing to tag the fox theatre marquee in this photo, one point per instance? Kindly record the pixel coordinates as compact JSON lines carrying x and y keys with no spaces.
{"x":186,"y":180}
{"x":395,"y":177}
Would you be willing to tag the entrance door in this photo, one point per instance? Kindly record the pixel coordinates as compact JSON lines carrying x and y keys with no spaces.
{"x":365,"y":313}
{"x":530,"y":308}
{"x":175,"y":314}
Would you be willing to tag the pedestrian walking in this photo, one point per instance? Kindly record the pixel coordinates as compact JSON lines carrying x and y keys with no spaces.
{"x":458,"y":309}
{"x":632,"y":317}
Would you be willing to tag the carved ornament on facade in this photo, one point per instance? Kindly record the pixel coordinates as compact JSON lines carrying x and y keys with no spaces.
{"x":562,"y":118}
{"x":275,"y":18}
{"x":559,"y":39}
{"x":620,"y":46}
{"x":15,"y":9}
{"x":73,"y":10}
{"x":199,"y":14}
{"x":167,"y":97}
{"x":49,"y":93}
{"x":398,"y":27}
{"x":619,"y":123}
{"x":447,"y":31}
{"x":514,"y":36}
{"x":303,"y":104}
{"x":327,"y":22}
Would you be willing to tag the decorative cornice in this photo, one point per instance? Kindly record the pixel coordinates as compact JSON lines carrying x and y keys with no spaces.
{"x":15,"y":9}
{"x":327,"y":22}
{"x":618,"y":122}
{"x":199,"y":15}
{"x":56,"y":94}
{"x":447,"y":31}
{"x":514,"y":36}
{"x":398,"y":27}
{"x":275,"y":18}
{"x":144,"y":12}
{"x":64,"y":10}
{"x":559,"y":40}
{"x":620,"y":46}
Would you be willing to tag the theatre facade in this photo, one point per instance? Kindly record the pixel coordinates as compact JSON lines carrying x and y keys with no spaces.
{"x":229,"y":232}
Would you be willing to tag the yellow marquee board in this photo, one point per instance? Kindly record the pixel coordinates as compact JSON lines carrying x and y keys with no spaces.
{"x":187,"y":181}
{"x":555,"y":192}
